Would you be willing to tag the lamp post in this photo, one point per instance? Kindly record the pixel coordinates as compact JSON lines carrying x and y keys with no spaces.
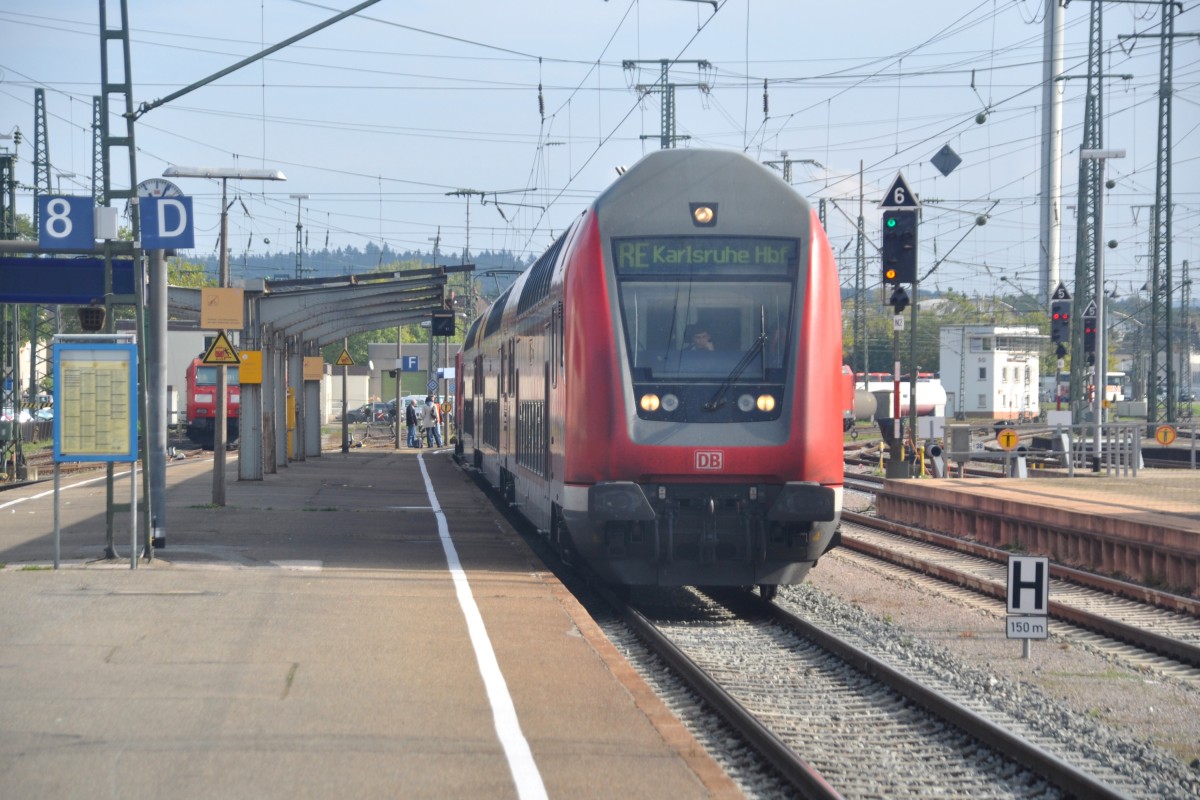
{"x":299,"y":234}
{"x":253,"y":395}
{"x":60,"y":175}
{"x":1100,"y":368}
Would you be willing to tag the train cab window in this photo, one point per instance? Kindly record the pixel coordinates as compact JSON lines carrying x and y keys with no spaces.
{"x":207,"y":376}
{"x":737,"y":292}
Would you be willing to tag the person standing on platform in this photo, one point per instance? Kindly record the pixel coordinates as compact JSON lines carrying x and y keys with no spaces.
{"x":410,"y":419}
{"x":431,"y":418}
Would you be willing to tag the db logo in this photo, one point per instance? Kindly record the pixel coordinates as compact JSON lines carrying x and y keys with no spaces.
{"x":710,"y":459}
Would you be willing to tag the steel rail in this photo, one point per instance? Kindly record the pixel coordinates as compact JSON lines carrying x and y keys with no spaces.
{"x":1164,"y":645}
{"x":790,"y":765}
{"x":1070,"y":779}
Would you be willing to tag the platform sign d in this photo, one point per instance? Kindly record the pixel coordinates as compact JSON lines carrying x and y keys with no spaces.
{"x":167,"y":223}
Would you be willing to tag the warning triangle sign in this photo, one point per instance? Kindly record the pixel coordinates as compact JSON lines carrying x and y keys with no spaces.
{"x":344,"y":360}
{"x":221,"y":352}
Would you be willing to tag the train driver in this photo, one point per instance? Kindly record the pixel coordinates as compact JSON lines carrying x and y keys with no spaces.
{"x":696,"y":337}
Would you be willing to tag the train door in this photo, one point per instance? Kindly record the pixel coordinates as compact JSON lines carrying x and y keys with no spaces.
{"x":506,"y":391}
{"x":476,"y":410}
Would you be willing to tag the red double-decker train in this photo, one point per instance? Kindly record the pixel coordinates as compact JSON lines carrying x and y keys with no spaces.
{"x":661,"y":393}
{"x":201,"y":404}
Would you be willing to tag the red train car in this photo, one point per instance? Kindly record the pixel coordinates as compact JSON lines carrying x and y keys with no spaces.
{"x":201,"y":405}
{"x":661,"y":393}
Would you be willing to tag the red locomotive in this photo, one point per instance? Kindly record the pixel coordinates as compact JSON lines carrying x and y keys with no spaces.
{"x":202,"y":403}
{"x":661,"y":393}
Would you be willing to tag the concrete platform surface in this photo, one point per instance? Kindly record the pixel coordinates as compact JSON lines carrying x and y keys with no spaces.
{"x":311,"y":639}
{"x":1168,"y":497}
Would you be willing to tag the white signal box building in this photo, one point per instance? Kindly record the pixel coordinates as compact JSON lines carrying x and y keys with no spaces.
{"x":991,"y":371}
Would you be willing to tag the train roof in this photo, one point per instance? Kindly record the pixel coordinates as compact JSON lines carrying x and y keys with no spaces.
{"x":749,"y":194}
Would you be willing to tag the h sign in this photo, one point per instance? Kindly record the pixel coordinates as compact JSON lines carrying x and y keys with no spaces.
{"x":1028,"y":585}
{"x":167,"y":223}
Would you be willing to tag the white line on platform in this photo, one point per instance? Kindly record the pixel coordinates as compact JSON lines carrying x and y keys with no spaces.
{"x":306,"y":566}
{"x":504,"y":714}
{"x":50,"y":492}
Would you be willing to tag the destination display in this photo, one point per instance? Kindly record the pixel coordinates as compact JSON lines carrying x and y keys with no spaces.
{"x":714,"y":255}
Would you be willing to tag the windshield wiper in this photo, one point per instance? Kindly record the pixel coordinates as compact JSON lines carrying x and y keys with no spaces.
{"x":718,"y":399}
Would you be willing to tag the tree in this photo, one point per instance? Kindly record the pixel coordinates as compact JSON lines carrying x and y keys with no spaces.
{"x":191,"y":274}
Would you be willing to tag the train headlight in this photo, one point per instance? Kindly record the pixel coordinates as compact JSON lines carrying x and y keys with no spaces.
{"x":745,"y":404}
{"x":766,"y":403}
{"x":204,"y":398}
{"x":670,"y":402}
{"x":704,"y":214}
{"x":649,"y":402}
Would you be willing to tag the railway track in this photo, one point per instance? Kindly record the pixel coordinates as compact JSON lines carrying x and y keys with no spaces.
{"x":1155,"y":629}
{"x":787,"y":715}
{"x":838,"y":720}
{"x":40,"y":462}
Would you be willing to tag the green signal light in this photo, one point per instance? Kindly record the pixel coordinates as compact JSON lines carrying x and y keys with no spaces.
{"x":891,"y":223}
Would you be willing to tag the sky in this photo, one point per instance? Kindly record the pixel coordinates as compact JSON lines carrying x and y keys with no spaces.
{"x":533,"y":105}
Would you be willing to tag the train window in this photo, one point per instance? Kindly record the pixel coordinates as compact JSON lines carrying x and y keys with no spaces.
{"x":503,"y":370}
{"x":562,"y":341}
{"x":511,"y":380}
{"x":207,"y":376}
{"x":552,"y":361}
{"x":704,"y":329}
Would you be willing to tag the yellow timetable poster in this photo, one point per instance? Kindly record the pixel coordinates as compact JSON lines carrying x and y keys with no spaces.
{"x":95,"y":408}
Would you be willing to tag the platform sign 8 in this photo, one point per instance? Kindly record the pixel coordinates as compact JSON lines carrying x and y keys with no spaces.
{"x":66,"y":223}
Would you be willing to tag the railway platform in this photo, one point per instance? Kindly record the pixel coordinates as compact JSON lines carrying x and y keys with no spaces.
{"x":362,"y":624}
{"x":1144,"y":527}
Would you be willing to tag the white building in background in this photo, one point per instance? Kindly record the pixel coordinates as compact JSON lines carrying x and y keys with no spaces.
{"x":990,"y":371}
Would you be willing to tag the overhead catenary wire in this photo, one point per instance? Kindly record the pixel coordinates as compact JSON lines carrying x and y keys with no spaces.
{"x":944,"y":58}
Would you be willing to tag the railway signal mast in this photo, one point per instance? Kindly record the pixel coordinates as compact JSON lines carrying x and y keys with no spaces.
{"x":1060,"y":321}
{"x":1089,"y":339}
{"x":898,"y":254}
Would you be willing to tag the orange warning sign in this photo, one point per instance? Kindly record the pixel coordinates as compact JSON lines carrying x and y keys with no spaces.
{"x":1164,"y":435}
{"x":1008,"y":438}
{"x":221,"y":352}
{"x":344,"y":360}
